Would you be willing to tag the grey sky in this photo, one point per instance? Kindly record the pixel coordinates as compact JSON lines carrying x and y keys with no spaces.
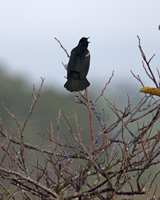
{"x":28,"y":28}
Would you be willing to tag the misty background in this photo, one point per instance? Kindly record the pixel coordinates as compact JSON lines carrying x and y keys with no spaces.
{"x":28,"y":48}
{"x":28,"y":51}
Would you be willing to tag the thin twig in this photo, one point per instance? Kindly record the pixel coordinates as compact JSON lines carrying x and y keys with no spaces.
{"x":91,"y":121}
{"x":147,"y":63}
{"x":105,"y":87}
{"x":62,"y":47}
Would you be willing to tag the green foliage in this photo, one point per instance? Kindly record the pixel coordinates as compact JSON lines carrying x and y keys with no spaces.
{"x":8,"y":193}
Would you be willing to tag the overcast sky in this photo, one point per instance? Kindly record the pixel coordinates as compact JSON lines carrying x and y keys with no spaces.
{"x":28,"y":28}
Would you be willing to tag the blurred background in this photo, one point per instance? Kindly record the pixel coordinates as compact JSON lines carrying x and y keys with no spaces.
{"x":29,"y":51}
{"x":28,"y":47}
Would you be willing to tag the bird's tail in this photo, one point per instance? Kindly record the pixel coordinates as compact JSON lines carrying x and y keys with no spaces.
{"x":74,"y":85}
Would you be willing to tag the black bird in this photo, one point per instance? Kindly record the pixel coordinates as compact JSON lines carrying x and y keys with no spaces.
{"x":78,"y":67}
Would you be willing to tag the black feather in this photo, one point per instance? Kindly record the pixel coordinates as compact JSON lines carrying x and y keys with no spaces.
{"x":78,"y":67}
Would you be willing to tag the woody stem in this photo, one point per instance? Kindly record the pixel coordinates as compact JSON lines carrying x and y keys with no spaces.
{"x":91,"y":121}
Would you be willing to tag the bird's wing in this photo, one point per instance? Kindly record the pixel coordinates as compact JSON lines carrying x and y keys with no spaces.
{"x":72,"y":63}
{"x":85,"y":61}
{"x":78,"y":62}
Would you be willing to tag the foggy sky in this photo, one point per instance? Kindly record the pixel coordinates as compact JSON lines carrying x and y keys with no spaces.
{"x":28,"y":29}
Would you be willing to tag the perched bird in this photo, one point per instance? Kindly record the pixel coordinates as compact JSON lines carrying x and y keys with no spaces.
{"x":78,"y":67}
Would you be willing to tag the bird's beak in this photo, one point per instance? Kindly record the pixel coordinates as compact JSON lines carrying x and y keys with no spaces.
{"x":88,"y":41}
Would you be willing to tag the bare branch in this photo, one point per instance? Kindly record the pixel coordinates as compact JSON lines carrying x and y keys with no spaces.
{"x":62,"y":47}
{"x":65,"y":166}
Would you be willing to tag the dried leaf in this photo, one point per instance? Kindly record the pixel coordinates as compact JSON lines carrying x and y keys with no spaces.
{"x":152,"y":91}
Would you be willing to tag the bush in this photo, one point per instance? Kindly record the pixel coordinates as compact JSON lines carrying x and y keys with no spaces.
{"x":119,"y":161}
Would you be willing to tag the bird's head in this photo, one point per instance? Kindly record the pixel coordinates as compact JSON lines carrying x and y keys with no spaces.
{"x":84,"y":42}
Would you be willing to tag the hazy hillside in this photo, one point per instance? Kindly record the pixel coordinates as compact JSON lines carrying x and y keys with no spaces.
{"x":16,"y":93}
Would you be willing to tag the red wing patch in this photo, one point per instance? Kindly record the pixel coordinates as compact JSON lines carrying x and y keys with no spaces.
{"x":87,"y":54}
